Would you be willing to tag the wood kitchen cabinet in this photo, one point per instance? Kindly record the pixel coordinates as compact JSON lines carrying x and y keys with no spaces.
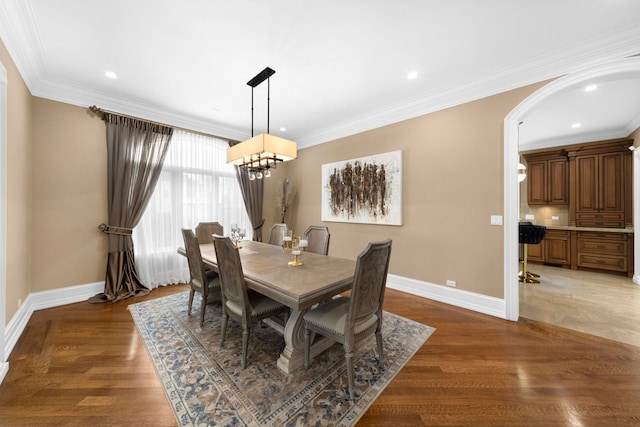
{"x":604,"y":251}
{"x":547,"y":178}
{"x":602,"y":186}
{"x":555,"y":249}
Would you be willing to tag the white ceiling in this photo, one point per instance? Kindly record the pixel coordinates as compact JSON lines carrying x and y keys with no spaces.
{"x":341,"y":66}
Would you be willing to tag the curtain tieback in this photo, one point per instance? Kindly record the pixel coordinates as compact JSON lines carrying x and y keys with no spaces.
{"x":259,"y":226}
{"x":110,"y":229}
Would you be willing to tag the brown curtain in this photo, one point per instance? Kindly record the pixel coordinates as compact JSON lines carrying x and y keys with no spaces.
{"x":253,"y":194}
{"x":135,"y":153}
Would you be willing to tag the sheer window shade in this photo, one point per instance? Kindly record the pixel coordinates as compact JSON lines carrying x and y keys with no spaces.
{"x":196,"y":185}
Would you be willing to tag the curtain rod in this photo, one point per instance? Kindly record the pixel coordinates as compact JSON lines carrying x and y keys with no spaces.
{"x":101,"y":112}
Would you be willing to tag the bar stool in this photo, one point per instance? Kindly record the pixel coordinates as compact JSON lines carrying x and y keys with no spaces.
{"x":529,"y":235}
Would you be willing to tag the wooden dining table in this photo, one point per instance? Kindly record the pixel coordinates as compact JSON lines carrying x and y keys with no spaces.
{"x":266,"y":270}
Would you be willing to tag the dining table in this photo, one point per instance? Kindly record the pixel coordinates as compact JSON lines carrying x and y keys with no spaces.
{"x":267,"y":270}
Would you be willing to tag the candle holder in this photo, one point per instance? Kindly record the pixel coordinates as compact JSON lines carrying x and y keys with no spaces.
{"x":295,"y":251}
{"x":287,"y":240}
{"x":303,"y":242}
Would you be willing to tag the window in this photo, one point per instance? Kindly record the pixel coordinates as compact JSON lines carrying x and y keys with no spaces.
{"x":195,"y":185}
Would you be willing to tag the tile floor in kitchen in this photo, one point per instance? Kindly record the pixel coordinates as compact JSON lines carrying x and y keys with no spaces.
{"x":601,"y":304}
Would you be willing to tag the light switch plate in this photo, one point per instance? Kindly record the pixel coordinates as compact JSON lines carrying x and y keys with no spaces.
{"x":496,"y":219}
{"x":555,"y":217}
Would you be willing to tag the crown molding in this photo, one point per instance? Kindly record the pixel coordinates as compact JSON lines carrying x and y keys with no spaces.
{"x":598,"y":135}
{"x":74,"y":95}
{"x":621,"y":44}
{"x":19,"y":33}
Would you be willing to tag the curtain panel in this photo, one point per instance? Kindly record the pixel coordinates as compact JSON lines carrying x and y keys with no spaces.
{"x":253,"y":195}
{"x":135,"y":154}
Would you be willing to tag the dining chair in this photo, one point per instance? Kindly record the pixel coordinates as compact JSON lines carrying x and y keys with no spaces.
{"x":276,"y":236}
{"x":205,"y":282}
{"x":205,"y":230}
{"x":238,"y":302}
{"x":350,"y":319}
{"x":318,"y":238}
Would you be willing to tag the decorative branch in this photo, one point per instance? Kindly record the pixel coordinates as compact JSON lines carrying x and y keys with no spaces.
{"x":285,"y":195}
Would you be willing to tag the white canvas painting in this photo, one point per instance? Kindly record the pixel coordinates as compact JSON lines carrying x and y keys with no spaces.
{"x":364,"y":190}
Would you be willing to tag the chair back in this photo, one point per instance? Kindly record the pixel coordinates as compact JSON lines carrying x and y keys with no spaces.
{"x":194,"y":259}
{"x":205,"y":230}
{"x":276,"y":236}
{"x":369,"y":283}
{"x":318,"y":238}
{"x":234,"y":288}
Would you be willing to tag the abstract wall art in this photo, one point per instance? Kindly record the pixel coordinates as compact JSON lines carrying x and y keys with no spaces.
{"x":364,"y":190}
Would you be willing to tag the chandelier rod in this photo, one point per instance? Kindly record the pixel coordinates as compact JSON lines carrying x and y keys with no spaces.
{"x":255,"y":81}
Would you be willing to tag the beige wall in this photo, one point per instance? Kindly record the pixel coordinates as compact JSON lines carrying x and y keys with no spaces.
{"x":19,"y":150}
{"x":69,"y":196}
{"x":452,"y":184}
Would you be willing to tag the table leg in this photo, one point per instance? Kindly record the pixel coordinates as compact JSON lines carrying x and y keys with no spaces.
{"x":292,"y":357}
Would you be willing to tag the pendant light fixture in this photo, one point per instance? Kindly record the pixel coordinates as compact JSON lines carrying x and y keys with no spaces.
{"x":259,"y":154}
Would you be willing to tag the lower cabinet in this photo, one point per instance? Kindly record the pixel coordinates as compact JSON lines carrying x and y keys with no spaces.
{"x":555,"y":248}
{"x":601,"y":250}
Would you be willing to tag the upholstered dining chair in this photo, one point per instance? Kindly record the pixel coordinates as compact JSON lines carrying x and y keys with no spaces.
{"x":205,"y":282}
{"x":205,"y":230}
{"x":318,"y":238}
{"x":348,"y":320}
{"x":238,"y":302}
{"x":276,"y":236}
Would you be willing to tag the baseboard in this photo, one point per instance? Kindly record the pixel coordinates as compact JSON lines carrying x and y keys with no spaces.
{"x":457,"y":297}
{"x":4,"y":368}
{"x":45,"y":299}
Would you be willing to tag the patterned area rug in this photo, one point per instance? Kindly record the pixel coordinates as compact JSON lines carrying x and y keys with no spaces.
{"x":206,"y":385}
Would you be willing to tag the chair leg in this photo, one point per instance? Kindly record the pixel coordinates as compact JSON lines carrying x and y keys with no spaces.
{"x":524,"y":277}
{"x":245,"y":347}
{"x":203,"y":307}
{"x":191,"y":293}
{"x":223,"y":327}
{"x":380,"y":349}
{"x":348,"y":358}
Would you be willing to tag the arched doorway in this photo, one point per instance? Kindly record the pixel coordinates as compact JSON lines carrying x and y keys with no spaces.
{"x":511,"y":188}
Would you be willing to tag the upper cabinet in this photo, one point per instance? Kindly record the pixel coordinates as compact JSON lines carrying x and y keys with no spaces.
{"x":547,"y":178}
{"x":602,"y":185}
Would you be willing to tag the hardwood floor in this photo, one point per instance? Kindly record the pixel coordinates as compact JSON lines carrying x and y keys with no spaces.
{"x":84,"y":364}
{"x":606,"y":305}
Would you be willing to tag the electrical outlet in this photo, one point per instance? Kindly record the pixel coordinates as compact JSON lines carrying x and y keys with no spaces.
{"x":529,"y":216}
{"x":554,"y":218}
{"x":451,"y":283}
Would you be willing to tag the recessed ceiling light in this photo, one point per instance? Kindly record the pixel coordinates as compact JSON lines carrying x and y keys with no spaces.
{"x":283,"y":129}
{"x":590,"y":88}
{"x":111,"y":74}
{"x":412,"y":75}
{"x":576,"y":125}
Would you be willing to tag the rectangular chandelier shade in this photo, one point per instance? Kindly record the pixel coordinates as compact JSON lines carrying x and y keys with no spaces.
{"x":262,"y":151}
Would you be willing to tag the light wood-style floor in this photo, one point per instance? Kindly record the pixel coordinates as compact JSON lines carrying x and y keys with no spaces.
{"x":85,"y":365}
{"x":601,"y":304}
